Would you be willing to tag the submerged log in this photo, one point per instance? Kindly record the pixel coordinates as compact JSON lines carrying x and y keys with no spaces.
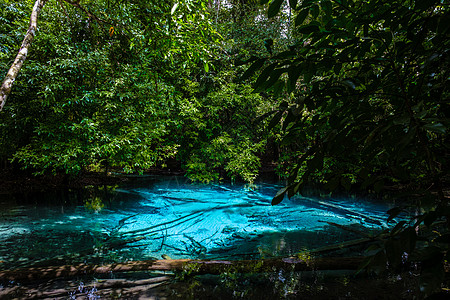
{"x":348,"y":228}
{"x":191,"y":266}
{"x":346,"y":211}
{"x":341,"y":246}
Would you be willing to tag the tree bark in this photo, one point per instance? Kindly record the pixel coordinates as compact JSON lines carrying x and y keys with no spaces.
{"x":193,"y":267}
{"x":7,"y":84}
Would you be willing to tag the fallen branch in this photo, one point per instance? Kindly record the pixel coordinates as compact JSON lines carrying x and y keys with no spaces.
{"x":172,"y":223}
{"x":347,"y":228}
{"x":346,"y":211}
{"x":194,"y":267}
{"x":340,"y":246}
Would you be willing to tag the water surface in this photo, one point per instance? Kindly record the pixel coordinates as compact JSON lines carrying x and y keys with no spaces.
{"x":154,"y":217}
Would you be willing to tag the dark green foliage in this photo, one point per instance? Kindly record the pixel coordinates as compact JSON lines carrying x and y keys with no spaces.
{"x":372,"y":89}
{"x":369,"y":107}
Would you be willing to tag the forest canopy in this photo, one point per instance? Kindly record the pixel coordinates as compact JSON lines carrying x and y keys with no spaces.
{"x":349,"y":91}
{"x":130,"y":85}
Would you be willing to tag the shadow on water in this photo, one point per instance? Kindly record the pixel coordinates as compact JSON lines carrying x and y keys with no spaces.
{"x":291,"y":243}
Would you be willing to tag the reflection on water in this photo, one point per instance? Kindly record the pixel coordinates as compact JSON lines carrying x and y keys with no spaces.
{"x":153,"y":216}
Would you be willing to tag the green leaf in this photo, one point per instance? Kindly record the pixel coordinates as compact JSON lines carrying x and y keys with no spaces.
{"x":264,"y":75}
{"x":279,"y":196}
{"x":315,"y":11}
{"x":398,"y":227}
{"x":252,"y":69}
{"x":273,"y":79}
{"x":274,"y":8}
{"x":393,"y":212}
{"x":293,"y":75}
{"x":387,"y":37}
{"x":301,"y":17}
{"x":278,"y":88}
{"x":275,"y":120}
{"x":307,"y":76}
{"x":290,"y":118}
{"x":377,"y":263}
{"x":293,"y":174}
{"x":443,"y":25}
{"x":293,"y":3}
{"x":437,"y":127}
{"x":327,"y":6}
{"x":337,"y":68}
{"x":308,"y":2}
{"x":307,"y":29}
{"x":206,"y":67}
{"x":294,"y":189}
{"x":364,"y":264}
{"x":240,"y":62}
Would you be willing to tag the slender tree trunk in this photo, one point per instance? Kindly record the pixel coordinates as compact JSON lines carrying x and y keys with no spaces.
{"x":6,"y":87}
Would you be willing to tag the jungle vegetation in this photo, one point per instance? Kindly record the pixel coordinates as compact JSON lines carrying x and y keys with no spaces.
{"x":346,"y":94}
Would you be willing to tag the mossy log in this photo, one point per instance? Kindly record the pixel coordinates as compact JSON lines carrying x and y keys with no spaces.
{"x":190,"y":266}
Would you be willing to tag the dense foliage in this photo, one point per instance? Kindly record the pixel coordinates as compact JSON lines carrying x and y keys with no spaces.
{"x":364,"y":93}
{"x":128,"y":86}
{"x":355,"y":94}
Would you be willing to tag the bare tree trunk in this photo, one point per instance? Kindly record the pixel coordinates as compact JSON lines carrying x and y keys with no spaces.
{"x":6,"y":87}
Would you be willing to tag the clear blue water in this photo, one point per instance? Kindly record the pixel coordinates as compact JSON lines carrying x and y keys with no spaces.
{"x":152,"y":217}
